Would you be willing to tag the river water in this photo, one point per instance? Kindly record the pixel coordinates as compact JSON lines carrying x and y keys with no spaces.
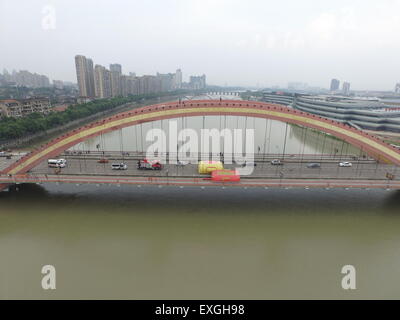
{"x":146,"y":243}
{"x":270,"y":136}
{"x":164,"y":243}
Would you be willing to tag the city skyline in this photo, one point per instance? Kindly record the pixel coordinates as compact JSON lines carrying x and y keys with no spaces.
{"x":29,"y":79}
{"x":97,"y":81}
{"x":232,"y":45}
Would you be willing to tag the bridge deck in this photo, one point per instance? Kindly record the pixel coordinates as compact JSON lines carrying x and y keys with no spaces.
{"x":294,"y":173}
{"x":201,"y":182}
{"x":293,"y":169}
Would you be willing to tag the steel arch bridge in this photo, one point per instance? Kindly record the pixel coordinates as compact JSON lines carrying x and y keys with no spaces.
{"x":372,"y":145}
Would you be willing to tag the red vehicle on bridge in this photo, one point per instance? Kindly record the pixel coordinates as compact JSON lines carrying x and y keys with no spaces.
{"x":145,"y":164}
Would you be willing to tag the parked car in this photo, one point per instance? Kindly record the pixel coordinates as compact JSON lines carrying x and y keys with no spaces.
{"x":182,"y":163}
{"x":119,"y":166}
{"x":277,"y":162}
{"x":345,"y":164}
{"x":314,"y":165}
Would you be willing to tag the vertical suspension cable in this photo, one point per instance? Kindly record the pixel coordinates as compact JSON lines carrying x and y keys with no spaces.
{"x":120,"y":144}
{"x":136,"y":140}
{"x":265,"y":140}
{"x":284,"y":143}
{"x":141,"y":138}
{"x":323,"y":146}
{"x":269,"y":135}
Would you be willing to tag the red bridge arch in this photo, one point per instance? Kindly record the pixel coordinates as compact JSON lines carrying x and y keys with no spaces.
{"x":374,"y":146}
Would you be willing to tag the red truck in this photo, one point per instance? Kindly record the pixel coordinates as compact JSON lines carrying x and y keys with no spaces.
{"x":149,"y":165}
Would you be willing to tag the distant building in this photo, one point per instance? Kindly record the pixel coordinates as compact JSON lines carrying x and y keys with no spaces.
{"x":297,"y":86}
{"x":167,"y":81}
{"x":116,"y":85}
{"x":397,"y":88}
{"x":99,"y":82}
{"x":282,"y":98}
{"x":178,"y":79}
{"x":360,"y":113}
{"x":85,"y":76}
{"x":25,"y":78}
{"x":23,"y":107}
{"x":197,"y":82}
{"x":102,"y":78}
{"x":116,"y":68}
{"x":58,"y":84}
{"x":149,"y":84}
{"x":124,"y":85}
{"x":335,"y":84}
{"x":90,"y":73}
{"x":346,"y":88}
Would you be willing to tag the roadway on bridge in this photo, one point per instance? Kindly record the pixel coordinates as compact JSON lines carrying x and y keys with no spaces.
{"x":292,"y":169}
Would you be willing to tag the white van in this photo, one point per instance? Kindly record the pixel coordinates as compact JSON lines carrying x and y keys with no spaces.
{"x":56,"y":163}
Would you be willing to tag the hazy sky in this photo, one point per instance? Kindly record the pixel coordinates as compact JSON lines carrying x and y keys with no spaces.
{"x":233,"y":42}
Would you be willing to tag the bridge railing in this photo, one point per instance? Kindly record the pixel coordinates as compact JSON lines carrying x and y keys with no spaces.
{"x":259,"y":157}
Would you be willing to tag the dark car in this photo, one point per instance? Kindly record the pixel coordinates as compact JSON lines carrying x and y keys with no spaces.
{"x":249,"y":164}
{"x":314,"y":165}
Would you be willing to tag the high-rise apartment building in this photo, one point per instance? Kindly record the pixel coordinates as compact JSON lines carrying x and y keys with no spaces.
{"x":107,"y":83}
{"x":102,"y":82}
{"x":80,"y":65}
{"x":116,"y":68}
{"x":90,"y":76}
{"x":133,"y":85}
{"x":178,"y":79}
{"x":116,"y":73}
{"x":85,"y":76}
{"x":166,"y":81}
{"x":124,"y":85}
{"x":115,"y":83}
{"x":335,"y":84}
{"x":346,"y":88}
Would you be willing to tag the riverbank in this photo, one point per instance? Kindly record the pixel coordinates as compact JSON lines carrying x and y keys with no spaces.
{"x":26,"y":144}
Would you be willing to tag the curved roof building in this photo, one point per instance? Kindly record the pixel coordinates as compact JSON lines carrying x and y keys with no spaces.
{"x":365,"y":114}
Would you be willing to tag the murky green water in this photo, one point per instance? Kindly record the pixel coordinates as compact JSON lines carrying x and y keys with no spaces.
{"x":139,"y":243}
{"x":269,"y":136}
